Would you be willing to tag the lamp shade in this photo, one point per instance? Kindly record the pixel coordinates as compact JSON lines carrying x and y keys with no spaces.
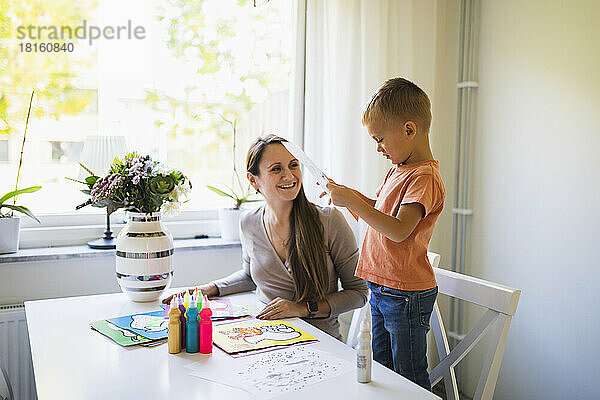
{"x":99,"y":152}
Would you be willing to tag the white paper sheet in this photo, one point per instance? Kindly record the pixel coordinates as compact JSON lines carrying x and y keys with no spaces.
{"x":308,"y":163}
{"x":277,"y":372}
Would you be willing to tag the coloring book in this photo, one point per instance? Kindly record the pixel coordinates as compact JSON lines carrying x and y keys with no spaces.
{"x":119,"y":335}
{"x":152,"y":325}
{"x":239,"y":337}
{"x":147,"y":329}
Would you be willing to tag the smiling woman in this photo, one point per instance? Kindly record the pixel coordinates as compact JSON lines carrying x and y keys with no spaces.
{"x":294,"y":253}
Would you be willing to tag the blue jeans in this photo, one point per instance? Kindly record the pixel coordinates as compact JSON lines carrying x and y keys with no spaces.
{"x":400,"y":326}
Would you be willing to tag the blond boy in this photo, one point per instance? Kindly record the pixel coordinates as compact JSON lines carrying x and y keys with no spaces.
{"x":401,"y":220}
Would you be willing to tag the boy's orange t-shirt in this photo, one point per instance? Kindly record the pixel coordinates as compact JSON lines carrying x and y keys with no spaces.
{"x":404,"y":265}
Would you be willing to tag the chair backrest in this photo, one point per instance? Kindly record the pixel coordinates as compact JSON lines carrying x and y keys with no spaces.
{"x":6,"y":392}
{"x":359,"y":313}
{"x":501,"y":303}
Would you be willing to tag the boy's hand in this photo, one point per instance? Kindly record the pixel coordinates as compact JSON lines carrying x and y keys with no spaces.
{"x":341,"y":195}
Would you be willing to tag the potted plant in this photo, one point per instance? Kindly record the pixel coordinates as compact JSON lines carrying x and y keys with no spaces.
{"x":229,"y":218}
{"x":147,"y":190}
{"x":9,"y":223}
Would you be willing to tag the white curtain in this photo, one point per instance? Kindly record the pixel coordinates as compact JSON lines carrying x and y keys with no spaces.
{"x":352,"y":47}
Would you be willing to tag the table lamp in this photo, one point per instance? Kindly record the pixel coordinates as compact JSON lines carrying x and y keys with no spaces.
{"x":97,"y":155}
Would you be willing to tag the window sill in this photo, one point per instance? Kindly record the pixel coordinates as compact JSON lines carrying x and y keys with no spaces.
{"x":69,"y":252}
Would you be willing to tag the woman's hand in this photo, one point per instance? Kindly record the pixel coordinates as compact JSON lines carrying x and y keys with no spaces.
{"x":209,"y":290}
{"x":281,"y":308}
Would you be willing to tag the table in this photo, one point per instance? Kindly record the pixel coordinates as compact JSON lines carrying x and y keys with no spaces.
{"x":71,"y":361}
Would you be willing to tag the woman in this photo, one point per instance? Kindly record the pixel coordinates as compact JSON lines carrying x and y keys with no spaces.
{"x":293,"y":251}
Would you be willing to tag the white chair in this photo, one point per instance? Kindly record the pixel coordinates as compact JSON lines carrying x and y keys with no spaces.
{"x":359,"y":313}
{"x":501,"y":303}
{"x":6,"y":392}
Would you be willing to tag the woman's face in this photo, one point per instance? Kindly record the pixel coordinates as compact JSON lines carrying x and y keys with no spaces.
{"x":279,"y":176}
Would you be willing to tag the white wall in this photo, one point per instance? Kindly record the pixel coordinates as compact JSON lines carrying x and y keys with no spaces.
{"x":36,"y":280}
{"x":535,"y":186}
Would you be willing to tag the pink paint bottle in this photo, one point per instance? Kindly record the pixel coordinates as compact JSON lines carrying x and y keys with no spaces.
{"x":205,"y":333}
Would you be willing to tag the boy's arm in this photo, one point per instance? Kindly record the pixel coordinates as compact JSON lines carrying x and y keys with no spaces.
{"x":364,"y":198}
{"x":394,"y":228}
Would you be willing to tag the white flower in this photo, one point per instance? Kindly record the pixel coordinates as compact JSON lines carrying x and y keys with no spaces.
{"x":181,"y":191}
{"x":184,"y":189}
{"x":162,"y":169}
{"x":170,"y":208}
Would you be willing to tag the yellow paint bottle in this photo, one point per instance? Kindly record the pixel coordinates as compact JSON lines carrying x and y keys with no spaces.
{"x":174,"y":328}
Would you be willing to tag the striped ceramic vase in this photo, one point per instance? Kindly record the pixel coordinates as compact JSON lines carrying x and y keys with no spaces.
{"x":144,"y":257}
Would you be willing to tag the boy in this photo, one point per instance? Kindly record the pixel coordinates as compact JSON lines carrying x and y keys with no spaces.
{"x":394,"y":254}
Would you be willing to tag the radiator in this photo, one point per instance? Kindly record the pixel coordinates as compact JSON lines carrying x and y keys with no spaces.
{"x":15,"y":351}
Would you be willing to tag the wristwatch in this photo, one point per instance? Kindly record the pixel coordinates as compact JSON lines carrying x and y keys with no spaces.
{"x":313,"y":308}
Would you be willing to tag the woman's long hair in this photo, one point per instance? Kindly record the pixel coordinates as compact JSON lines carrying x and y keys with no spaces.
{"x":306,"y":246}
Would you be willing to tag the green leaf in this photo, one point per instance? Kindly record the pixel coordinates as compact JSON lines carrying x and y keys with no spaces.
{"x":91,"y":180}
{"x":18,"y":192}
{"x":235,"y":196}
{"x":21,"y":209}
{"x":221,"y":193}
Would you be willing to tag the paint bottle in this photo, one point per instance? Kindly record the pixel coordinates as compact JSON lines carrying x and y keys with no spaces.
{"x":198,"y":295}
{"x":192,"y":342}
{"x":186,"y":299}
{"x":206,"y":340}
{"x":174,"y":328}
{"x":363,"y":352}
{"x":182,"y":319}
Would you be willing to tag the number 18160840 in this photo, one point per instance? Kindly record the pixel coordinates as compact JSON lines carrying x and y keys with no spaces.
{"x":46,"y":47}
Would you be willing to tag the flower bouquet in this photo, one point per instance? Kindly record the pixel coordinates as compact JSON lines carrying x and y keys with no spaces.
{"x":138,"y":184}
{"x":144,"y":248}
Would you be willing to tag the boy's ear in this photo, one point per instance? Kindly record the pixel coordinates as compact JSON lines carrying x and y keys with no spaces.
{"x":411,"y":128}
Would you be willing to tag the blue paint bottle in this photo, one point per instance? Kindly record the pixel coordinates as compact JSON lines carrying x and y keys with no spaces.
{"x":192,"y":341}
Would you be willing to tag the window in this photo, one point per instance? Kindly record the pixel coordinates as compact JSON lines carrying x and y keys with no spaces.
{"x":166,"y":75}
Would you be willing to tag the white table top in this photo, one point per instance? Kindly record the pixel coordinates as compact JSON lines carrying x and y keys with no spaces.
{"x":71,"y":361}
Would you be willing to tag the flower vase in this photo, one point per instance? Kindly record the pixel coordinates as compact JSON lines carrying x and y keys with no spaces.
{"x":144,"y":261}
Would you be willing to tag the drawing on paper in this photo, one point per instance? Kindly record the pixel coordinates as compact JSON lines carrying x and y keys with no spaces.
{"x":121,"y":336}
{"x":280,"y":332}
{"x":152,"y":325}
{"x":280,"y":372}
{"x":149,"y":323}
{"x":290,"y":370}
{"x":255,"y":335}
